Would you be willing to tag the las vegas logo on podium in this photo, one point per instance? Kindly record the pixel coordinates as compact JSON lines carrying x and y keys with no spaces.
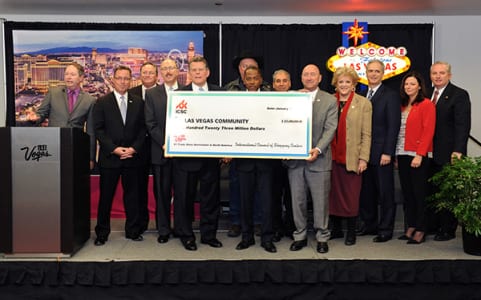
{"x":394,"y":58}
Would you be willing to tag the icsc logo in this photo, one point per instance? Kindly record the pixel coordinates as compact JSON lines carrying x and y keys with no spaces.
{"x":181,"y":108}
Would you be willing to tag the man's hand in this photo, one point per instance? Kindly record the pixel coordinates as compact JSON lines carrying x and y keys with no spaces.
{"x":313,"y":154}
{"x":455,"y":155}
{"x":124,"y":152}
{"x":385,"y":160}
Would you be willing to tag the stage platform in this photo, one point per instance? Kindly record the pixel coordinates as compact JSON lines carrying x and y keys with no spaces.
{"x":124,"y":269}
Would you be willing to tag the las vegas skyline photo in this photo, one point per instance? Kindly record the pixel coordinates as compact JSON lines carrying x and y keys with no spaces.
{"x":40,"y":58}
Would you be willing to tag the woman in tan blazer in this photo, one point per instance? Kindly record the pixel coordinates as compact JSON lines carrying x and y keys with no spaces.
{"x":350,"y":153}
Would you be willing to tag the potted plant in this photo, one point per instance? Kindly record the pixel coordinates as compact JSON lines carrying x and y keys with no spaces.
{"x":459,"y":191}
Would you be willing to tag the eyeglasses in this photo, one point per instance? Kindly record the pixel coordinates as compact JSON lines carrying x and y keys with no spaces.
{"x":168,"y":68}
{"x":122,"y":78}
{"x":197,"y":70}
{"x":148,"y":73}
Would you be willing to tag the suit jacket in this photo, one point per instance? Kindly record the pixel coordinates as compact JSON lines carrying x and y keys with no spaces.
{"x":453,"y":123}
{"x":55,"y":107}
{"x":249,"y":164}
{"x":112,"y":133}
{"x":420,"y":128}
{"x":324,"y":125}
{"x":386,"y":120}
{"x":155,"y":117}
{"x":358,"y":132}
{"x":194,"y":164}
{"x":137,"y":91}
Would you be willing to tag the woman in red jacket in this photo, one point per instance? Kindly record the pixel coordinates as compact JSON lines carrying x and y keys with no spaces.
{"x":415,"y":141}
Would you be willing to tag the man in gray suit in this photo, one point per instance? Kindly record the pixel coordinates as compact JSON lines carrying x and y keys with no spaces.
{"x":69,"y":106}
{"x":313,"y":173}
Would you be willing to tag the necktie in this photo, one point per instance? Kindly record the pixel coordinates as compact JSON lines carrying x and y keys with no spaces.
{"x":201,"y":89}
{"x":123,"y":108}
{"x":435,"y":97}
{"x":369,"y":95}
{"x":71,"y":100}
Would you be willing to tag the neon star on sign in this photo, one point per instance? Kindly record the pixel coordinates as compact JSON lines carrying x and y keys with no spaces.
{"x":355,"y":32}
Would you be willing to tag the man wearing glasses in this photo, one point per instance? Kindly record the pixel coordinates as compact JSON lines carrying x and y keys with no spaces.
{"x":155,"y":111}
{"x":120,"y":130}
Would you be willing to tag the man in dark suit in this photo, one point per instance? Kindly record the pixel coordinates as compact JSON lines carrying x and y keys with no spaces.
{"x":69,"y":106}
{"x":378,"y":179}
{"x":240,"y":62}
{"x":148,"y":77}
{"x":313,"y":175}
{"x":256,"y":178}
{"x":453,"y":123}
{"x":155,"y":112}
{"x":120,"y":129}
{"x":188,"y":172}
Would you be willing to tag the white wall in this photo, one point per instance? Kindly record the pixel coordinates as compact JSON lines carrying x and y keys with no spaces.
{"x":455,"y":40}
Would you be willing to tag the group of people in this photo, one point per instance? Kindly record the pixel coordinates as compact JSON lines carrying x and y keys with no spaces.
{"x":357,"y":141}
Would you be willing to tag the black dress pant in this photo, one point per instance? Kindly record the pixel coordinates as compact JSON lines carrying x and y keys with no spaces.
{"x":163,"y":195}
{"x":185,"y":190}
{"x":131,"y":182}
{"x":256,"y":183}
{"x":415,"y":187}
{"x":377,"y":194}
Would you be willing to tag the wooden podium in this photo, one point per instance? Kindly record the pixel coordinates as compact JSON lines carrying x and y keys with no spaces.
{"x":45,"y":191}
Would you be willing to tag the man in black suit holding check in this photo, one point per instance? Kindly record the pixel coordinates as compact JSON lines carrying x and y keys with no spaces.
{"x":190,"y":171}
{"x":120,"y":129}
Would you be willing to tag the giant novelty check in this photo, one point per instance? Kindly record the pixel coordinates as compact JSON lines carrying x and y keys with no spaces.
{"x":239,"y":124}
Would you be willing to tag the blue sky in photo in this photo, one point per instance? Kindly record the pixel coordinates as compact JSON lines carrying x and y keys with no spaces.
{"x":153,"y":41}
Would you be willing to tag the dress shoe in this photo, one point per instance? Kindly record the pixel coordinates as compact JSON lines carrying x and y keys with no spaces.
{"x":298,"y":245}
{"x":162,"y":239}
{"x":234,"y":231}
{"x":258,"y":229}
{"x":350,"y":240}
{"x":404,"y":238}
{"x":336,"y":234}
{"x":443,"y":236}
{"x":136,"y":238}
{"x":244,"y":244}
{"x":100,"y":241}
{"x":364,"y":232}
{"x":269,"y":247}
{"x":189,"y":245}
{"x":381,"y":238}
{"x":215,"y":243}
{"x":277,"y":236}
{"x":322,"y":247}
{"x":414,"y":242}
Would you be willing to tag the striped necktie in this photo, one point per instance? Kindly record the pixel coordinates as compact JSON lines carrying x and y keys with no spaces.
{"x":369,"y":95}
{"x":435,"y":97}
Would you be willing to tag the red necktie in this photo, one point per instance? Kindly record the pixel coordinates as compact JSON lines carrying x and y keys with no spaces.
{"x":435,"y":97}
{"x":71,"y":100}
